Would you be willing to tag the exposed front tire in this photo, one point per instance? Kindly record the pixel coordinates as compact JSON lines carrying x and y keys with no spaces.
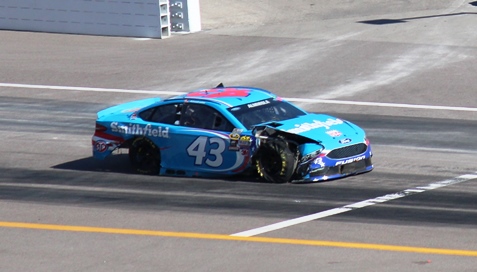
{"x":145,"y":156}
{"x":276,"y":162}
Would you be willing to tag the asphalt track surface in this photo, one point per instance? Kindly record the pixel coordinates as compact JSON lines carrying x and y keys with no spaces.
{"x":405,"y":72}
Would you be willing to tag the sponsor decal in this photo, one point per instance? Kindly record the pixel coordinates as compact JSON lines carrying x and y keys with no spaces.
{"x":235,"y":135}
{"x":136,"y":129}
{"x":345,"y":141}
{"x":100,"y":146}
{"x":259,"y":103}
{"x":319,"y":161}
{"x":234,"y":145}
{"x":234,"y":139}
{"x":245,"y":141}
{"x":299,"y":128}
{"x":334,"y":133}
{"x":351,"y":160}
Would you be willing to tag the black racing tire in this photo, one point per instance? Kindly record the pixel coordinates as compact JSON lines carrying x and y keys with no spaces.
{"x":145,"y":156}
{"x":276,"y":162}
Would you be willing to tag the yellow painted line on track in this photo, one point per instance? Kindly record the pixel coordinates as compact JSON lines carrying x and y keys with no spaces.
{"x":395,"y":248}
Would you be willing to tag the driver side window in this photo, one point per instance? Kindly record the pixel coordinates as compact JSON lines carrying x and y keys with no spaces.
{"x":166,"y":114}
{"x":205,"y":117}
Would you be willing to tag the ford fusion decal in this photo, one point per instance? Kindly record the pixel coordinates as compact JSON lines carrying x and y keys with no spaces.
{"x":345,"y":141}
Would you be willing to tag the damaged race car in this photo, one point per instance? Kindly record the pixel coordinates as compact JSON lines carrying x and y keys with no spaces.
{"x":227,"y":131}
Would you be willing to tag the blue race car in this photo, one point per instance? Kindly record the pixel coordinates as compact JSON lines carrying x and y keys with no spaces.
{"x":227,"y":131}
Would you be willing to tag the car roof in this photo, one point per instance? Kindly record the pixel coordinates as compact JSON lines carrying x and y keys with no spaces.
{"x":227,"y":96}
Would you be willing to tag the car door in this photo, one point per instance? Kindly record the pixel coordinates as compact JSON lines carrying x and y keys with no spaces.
{"x":204,"y":143}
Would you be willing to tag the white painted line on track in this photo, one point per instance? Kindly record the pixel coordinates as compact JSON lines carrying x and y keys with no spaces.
{"x":86,"y":89}
{"x":425,"y":149}
{"x":378,"y":104}
{"x":355,"y":206}
{"x":302,"y":100}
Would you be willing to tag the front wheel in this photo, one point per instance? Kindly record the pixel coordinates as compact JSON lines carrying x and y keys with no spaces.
{"x":145,"y":156}
{"x":276,"y":161}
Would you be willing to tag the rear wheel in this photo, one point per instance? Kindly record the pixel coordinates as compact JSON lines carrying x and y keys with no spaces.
{"x":276,"y":161}
{"x":145,"y":156}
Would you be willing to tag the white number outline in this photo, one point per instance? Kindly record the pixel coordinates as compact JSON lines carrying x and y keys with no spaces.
{"x":197,"y":149}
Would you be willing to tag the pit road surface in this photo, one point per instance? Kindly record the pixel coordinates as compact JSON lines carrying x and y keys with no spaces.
{"x":405,"y":72}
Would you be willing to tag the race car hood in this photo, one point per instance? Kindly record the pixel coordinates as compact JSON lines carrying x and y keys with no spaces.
{"x":126,"y":109}
{"x":321,"y":128}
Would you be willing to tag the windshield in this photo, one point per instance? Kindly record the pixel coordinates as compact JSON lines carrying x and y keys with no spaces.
{"x":265,"y":111}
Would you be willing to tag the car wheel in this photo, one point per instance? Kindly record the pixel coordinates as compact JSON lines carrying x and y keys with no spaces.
{"x":276,"y":162}
{"x":145,"y":156}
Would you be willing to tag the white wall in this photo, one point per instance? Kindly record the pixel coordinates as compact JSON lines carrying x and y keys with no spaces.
{"x":134,"y":18}
{"x":185,"y":15}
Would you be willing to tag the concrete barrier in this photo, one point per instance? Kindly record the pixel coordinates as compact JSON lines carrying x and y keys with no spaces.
{"x":130,"y":18}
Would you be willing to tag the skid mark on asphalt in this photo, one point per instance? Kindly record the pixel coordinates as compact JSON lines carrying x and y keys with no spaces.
{"x":354,"y":206}
{"x":404,"y":65}
{"x":190,"y":235}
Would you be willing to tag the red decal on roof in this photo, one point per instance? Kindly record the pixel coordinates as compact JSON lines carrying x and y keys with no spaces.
{"x":216,"y":93}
